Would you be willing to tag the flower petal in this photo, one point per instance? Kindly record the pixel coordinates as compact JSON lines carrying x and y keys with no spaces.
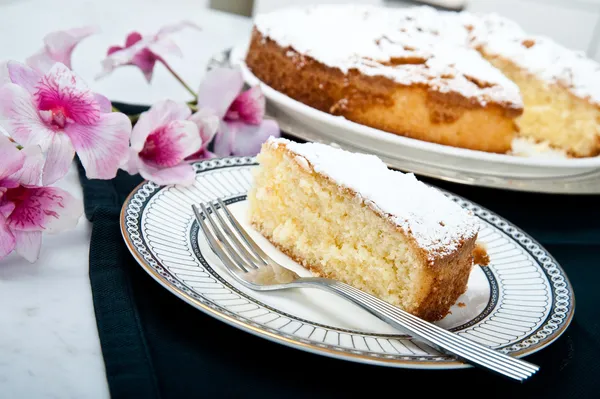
{"x":103,"y":102}
{"x":248,"y":107}
{"x":219,"y":89}
{"x":225,"y":139}
{"x":113,"y":49}
{"x":132,"y":39}
{"x":109,"y":64}
{"x":182,"y":174}
{"x":205,"y":154}
{"x":48,"y":209}
{"x":207,"y":122}
{"x":245,"y":140}
{"x":24,"y":76}
{"x":170,"y":144}
{"x":7,"y":239}
{"x":101,"y":147}
{"x":164,"y":47}
{"x":61,"y":88}
{"x":145,"y":60}
{"x":136,"y":53}
{"x":6,"y":208}
{"x":202,"y":154}
{"x":28,"y":244}
{"x":60,"y":44}
{"x":41,"y":61}
{"x":161,"y":113}
{"x":143,"y":51}
{"x":58,"y":159}
{"x":121,"y":57}
{"x":20,"y":118}
{"x":172,"y":28}
{"x":31,"y":172}
{"x":131,"y":162}
{"x":11,"y":159}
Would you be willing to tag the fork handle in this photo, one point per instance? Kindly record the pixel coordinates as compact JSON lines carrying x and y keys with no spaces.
{"x":433,"y":335}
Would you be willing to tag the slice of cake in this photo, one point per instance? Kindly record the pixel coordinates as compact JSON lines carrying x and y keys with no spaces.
{"x":348,"y":217}
{"x":560,"y":87}
{"x":406,"y":71}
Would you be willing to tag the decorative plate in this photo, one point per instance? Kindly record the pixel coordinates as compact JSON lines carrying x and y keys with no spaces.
{"x":536,"y":173}
{"x":519,"y":304}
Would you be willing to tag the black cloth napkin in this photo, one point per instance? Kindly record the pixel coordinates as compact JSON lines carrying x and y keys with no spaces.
{"x":156,"y":346}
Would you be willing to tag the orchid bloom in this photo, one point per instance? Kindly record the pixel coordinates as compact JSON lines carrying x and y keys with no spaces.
{"x":144,"y":51}
{"x":243,"y":128}
{"x":58,"y":112}
{"x":208,"y":124}
{"x":164,"y":137}
{"x":26,"y":211}
{"x":58,"y":47}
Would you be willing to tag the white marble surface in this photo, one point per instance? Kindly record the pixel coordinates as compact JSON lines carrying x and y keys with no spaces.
{"x":49,"y":345}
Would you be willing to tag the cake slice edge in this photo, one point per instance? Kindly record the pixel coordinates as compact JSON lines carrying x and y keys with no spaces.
{"x":384,"y":261}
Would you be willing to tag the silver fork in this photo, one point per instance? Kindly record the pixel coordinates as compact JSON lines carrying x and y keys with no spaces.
{"x":253,"y":268}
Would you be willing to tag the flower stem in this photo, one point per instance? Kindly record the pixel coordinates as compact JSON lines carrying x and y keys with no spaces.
{"x":19,"y":146}
{"x":176,"y":75}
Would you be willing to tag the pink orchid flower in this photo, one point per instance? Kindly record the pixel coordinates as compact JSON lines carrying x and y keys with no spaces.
{"x":58,"y":47}
{"x":144,"y":51}
{"x":164,"y":137}
{"x":208,"y":124}
{"x":243,"y":128}
{"x":58,"y":112}
{"x":26,"y":211}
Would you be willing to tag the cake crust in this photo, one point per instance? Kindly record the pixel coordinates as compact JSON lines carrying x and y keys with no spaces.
{"x":416,"y":111}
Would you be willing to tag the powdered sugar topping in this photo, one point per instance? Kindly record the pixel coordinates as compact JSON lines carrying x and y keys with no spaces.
{"x":416,"y":45}
{"x":437,"y":224}
{"x":537,"y":55}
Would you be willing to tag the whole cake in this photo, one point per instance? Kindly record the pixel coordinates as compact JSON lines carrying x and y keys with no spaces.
{"x":348,"y":217}
{"x":476,"y":82}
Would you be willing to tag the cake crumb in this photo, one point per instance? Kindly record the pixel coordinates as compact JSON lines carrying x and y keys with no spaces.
{"x":480,"y":255}
{"x":461,"y":305}
{"x":528,"y":43}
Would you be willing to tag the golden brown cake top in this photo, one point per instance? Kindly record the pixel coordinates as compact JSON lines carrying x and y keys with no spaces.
{"x":437,"y":224}
{"x":538,"y":55}
{"x":417,"y":45}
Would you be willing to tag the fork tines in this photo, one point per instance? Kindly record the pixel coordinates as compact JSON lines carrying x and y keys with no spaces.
{"x":231,"y":242}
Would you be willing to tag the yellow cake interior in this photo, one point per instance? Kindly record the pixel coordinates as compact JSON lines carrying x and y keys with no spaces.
{"x":553,"y":114}
{"x":333,"y":235}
